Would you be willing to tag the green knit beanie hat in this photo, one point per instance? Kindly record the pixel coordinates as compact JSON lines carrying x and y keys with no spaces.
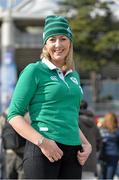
{"x":56,"y":25}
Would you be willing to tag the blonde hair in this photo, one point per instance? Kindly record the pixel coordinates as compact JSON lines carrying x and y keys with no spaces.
{"x":69,"y":61}
{"x":111,"y":122}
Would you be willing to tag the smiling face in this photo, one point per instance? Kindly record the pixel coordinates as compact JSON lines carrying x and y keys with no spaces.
{"x":58,"y":47}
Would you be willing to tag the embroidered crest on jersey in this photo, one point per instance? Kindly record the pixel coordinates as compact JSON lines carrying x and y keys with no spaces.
{"x":74,"y":80}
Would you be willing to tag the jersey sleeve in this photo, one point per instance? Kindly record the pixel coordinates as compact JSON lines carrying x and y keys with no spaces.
{"x":24,"y":91}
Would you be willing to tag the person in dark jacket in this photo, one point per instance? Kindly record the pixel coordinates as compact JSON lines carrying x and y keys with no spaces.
{"x":110,"y":150}
{"x":13,"y":146}
{"x":2,"y":151}
{"x":91,"y":131}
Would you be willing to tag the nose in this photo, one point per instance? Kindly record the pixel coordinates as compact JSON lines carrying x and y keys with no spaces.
{"x":57,"y":43}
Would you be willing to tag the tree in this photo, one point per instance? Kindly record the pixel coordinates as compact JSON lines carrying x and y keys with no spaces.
{"x":96,"y":36}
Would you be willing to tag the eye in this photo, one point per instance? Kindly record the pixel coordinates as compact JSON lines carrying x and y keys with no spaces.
{"x":63,"y":39}
{"x":52,"y":39}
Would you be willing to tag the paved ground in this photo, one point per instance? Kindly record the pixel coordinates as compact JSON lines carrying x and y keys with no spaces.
{"x":90,"y":176}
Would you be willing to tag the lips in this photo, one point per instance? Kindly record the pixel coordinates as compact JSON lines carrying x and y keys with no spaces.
{"x":58,"y":51}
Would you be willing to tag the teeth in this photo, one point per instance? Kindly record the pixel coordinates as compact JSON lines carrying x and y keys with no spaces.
{"x":58,"y":51}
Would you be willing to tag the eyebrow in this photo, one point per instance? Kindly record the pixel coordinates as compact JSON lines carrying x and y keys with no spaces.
{"x":58,"y":36}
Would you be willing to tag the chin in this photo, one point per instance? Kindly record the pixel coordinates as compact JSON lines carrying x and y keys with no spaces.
{"x":59,"y":58}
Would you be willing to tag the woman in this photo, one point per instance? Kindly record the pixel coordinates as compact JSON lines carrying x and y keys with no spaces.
{"x":110,"y":150}
{"x":50,"y":90}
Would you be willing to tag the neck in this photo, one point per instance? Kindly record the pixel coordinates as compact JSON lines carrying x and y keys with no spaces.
{"x":58,"y":64}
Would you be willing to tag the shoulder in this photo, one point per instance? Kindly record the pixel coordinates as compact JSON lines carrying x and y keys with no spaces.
{"x":32,"y":68}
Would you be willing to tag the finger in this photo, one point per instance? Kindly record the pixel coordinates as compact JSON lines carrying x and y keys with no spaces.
{"x":57,"y":156}
{"x":81,"y":158}
{"x":80,"y":153}
{"x":51,"y":159}
{"x":82,"y":162}
{"x":60,"y":151}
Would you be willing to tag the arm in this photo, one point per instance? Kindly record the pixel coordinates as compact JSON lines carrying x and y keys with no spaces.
{"x":83,"y":156}
{"x":22,"y":96}
{"x":49,"y":148}
{"x":25,"y":130}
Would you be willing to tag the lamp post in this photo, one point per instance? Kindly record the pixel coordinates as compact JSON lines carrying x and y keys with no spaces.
{"x":8,"y":67}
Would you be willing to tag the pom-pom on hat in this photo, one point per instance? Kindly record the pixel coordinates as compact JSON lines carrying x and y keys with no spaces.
{"x":56,"y":25}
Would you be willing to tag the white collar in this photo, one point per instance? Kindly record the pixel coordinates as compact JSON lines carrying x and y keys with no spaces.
{"x":49,"y":64}
{"x":52,"y":66}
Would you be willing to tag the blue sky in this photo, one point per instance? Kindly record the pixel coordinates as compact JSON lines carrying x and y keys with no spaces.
{"x":4,"y":3}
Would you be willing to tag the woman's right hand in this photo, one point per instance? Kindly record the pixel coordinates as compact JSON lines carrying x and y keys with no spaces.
{"x":51,"y":150}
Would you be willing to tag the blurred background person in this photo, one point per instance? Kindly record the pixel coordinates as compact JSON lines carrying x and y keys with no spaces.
{"x":100,"y":122}
{"x":91,"y":131}
{"x":2,"y":151}
{"x":13,"y":146}
{"x":109,"y":155}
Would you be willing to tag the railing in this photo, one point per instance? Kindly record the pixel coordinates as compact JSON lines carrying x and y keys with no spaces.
{"x":28,"y":40}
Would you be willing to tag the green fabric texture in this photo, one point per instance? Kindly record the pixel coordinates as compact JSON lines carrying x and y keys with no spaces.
{"x":53,"y":103}
{"x":56,"y":25}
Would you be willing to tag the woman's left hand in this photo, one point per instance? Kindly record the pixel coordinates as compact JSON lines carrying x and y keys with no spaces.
{"x":83,"y":156}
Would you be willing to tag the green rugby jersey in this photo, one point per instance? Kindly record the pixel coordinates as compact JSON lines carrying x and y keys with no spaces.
{"x":52,"y":99}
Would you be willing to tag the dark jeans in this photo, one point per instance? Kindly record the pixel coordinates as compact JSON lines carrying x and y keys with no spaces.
{"x":37,"y":166}
{"x":108,"y":167}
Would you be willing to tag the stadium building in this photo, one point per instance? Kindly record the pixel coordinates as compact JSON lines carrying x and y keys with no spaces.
{"x":26,"y":18}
